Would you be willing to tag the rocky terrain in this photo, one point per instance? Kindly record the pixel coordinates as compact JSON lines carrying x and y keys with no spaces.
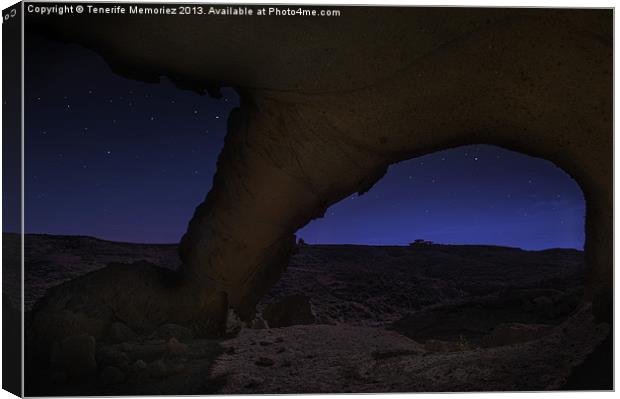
{"x":343,"y":318}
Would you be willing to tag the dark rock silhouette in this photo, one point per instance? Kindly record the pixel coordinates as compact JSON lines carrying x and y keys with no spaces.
{"x":291,"y":310}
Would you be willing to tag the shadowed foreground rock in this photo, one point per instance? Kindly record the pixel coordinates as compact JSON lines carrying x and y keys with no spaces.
{"x":290,"y":311}
{"x":140,"y":295}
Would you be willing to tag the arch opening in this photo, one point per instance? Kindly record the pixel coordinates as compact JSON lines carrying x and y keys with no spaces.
{"x":475,"y":246}
{"x":475,"y":194}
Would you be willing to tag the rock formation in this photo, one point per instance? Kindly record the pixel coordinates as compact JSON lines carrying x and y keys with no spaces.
{"x":291,"y":310}
{"x":327,"y":104}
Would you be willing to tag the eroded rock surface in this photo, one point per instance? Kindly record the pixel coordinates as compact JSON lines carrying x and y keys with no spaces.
{"x":289,"y":311}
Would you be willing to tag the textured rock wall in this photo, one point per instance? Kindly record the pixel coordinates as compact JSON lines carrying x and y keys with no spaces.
{"x":329,"y":103}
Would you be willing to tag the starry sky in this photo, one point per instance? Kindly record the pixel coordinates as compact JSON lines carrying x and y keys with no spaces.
{"x":129,"y":161}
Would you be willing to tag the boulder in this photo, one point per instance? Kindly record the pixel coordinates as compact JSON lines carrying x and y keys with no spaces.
{"x":289,"y":311}
{"x":233,"y":323}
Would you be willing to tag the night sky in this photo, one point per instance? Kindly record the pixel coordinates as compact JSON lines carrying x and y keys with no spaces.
{"x":128,"y":161}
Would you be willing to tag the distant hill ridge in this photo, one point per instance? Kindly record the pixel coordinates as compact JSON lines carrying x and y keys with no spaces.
{"x":485,"y":247}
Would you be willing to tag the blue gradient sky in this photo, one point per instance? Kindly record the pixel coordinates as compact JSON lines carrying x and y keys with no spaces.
{"x":471,"y":195}
{"x":129,"y":161}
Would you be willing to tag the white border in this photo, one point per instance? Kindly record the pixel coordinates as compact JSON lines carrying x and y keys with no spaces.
{"x":462,"y":3}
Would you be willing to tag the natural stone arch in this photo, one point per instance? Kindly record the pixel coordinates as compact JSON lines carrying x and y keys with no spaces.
{"x":287,"y":192}
{"x":325,"y":114}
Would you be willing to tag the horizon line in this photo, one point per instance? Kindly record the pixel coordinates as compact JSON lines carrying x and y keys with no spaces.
{"x":310,"y":244}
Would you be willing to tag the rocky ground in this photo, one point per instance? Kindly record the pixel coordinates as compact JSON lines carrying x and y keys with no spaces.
{"x":343,"y":318}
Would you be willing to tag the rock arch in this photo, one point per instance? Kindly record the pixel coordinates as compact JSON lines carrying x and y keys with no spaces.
{"x":326,"y":106}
